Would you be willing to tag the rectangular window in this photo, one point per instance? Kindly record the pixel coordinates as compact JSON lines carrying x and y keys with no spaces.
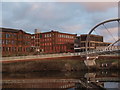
{"x":0,"y":35}
{"x":6,"y":42}
{"x":4,"y":49}
{"x":12,"y":49}
{"x":0,"y":41}
{"x":3,"y":41}
{"x":40,"y":36}
{"x":20,"y":49}
{"x":7,"y":35}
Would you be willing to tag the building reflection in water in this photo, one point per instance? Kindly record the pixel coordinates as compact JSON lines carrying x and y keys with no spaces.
{"x":112,"y":85}
{"x":69,"y":80}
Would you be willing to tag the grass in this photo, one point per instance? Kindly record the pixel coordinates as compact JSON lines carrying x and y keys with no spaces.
{"x":110,"y":61}
{"x":64,"y":64}
{"x":39,"y":65}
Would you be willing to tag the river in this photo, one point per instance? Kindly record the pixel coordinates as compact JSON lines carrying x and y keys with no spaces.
{"x":68,"y":80}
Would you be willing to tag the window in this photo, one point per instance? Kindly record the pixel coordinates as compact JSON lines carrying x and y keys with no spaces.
{"x":6,"y":48}
{"x":50,"y":35}
{"x":0,"y":48}
{"x":15,"y":35}
{"x":3,"y":49}
{"x":45,"y":35}
{"x":20,"y":49}
{"x":40,"y":36}
{"x":3,"y":41}
{"x":0,"y":41}
{"x":7,"y":35}
{"x":15,"y":48}
{"x":7,"y":41}
{"x":32,"y":37}
{"x":66,"y":36}
{"x":12,"y":41}
{"x":27,"y":49}
{"x":0,"y":35}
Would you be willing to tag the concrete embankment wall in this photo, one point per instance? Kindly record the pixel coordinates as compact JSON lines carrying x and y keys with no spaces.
{"x":73,"y":63}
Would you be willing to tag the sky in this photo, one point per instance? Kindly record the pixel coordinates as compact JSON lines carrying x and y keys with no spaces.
{"x":69,"y":17}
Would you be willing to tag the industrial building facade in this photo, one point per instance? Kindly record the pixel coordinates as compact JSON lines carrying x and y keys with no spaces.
{"x":17,"y":42}
{"x":94,"y":41}
{"x":53,"y":42}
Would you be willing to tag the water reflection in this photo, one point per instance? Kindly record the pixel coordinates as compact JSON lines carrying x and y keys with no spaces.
{"x":55,"y":79}
{"x":110,"y":85}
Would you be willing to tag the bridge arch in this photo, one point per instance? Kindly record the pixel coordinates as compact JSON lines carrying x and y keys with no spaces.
{"x":102,"y":23}
{"x":93,"y":29}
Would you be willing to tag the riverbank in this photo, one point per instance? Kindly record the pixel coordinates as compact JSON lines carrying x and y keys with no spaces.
{"x":56,"y":64}
{"x":75,"y":63}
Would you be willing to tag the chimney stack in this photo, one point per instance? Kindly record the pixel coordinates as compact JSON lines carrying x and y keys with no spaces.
{"x":37,"y":31}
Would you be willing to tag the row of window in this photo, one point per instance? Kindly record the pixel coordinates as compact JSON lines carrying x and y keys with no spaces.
{"x":49,"y":39}
{"x":50,"y":43}
{"x":59,"y":48}
{"x":8,"y":42}
{"x":65,"y":36}
{"x":43,"y":44}
{"x":93,"y":44}
{"x":28,"y":49}
{"x":50,"y":35}
{"x":9,"y":35}
{"x":15,"y":42}
{"x":16,"y":36}
{"x":96,"y":39}
{"x":83,"y":38}
{"x":42,"y":40}
{"x":12,"y":49}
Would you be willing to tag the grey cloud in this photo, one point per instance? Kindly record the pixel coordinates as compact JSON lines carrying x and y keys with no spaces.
{"x":64,"y":17}
{"x":36,"y":14}
{"x":99,"y":6}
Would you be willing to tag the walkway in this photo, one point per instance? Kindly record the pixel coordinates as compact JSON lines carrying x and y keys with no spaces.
{"x":46,"y":56}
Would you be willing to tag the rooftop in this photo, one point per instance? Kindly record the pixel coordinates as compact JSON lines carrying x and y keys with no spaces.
{"x":11,"y":30}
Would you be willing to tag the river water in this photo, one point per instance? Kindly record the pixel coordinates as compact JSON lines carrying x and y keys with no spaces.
{"x":67,"y":80}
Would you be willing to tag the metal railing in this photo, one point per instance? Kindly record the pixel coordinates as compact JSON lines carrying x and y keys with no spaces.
{"x":112,"y":48}
{"x":42,"y":56}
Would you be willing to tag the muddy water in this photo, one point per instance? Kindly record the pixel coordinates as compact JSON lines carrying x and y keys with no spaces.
{"x":55,"y":79}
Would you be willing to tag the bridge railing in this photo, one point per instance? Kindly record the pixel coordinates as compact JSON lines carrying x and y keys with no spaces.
{"x":103,"y":50}
{"x":96,"y":51}
{"x":43,"y":56}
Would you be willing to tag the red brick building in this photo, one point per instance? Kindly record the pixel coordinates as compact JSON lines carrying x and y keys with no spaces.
{"x":53,"y":42}
{"x":18,"y":42}
{"x":15,"y":42}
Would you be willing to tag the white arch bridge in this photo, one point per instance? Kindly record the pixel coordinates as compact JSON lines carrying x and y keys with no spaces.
{"x":113,"y":48}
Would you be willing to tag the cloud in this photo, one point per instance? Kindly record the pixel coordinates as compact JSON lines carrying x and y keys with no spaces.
{"x":110,"y":35}
{"x":72,"y":28}
{"x":99,"y":6}
{"x":65,"y":17}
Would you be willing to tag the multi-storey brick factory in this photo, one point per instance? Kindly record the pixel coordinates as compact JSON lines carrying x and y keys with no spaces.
{"x":53,"y":42}
{"x":15,"y":42}
{"x":18,"y":42}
